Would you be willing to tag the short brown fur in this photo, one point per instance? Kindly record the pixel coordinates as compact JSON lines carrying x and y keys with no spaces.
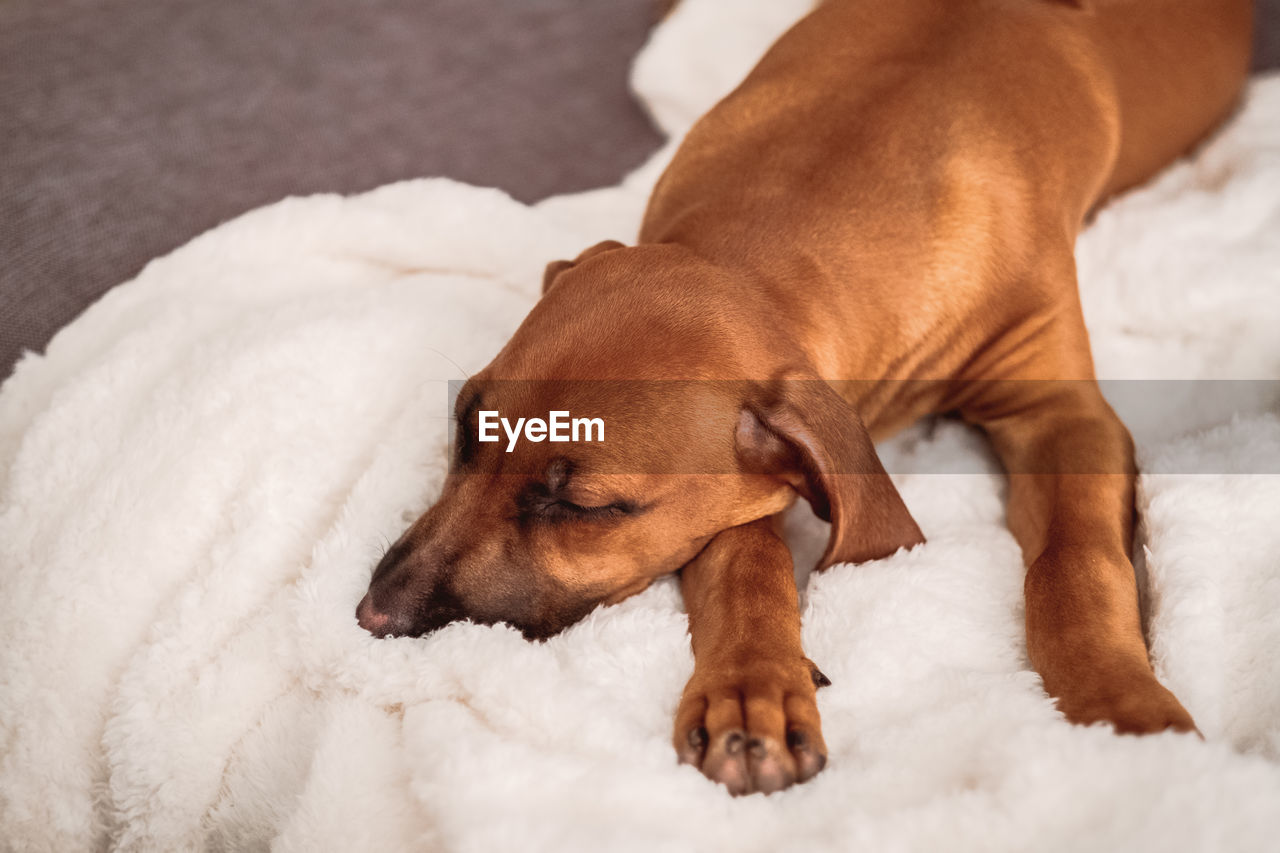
{"x":892,"y":194}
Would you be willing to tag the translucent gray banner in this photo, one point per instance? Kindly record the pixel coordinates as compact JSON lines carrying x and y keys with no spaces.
{"x":518,"y":427}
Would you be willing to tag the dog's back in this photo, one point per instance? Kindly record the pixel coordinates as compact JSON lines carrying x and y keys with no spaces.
{"x":1177,"y":67}
{"x":923,"y":162}
{"x":863,"y":102}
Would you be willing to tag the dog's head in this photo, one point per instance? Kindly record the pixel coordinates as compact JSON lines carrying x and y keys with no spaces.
{"x":537,"y":533}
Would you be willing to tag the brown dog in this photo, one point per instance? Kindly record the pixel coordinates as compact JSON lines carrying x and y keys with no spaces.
{"x":892,"y":194}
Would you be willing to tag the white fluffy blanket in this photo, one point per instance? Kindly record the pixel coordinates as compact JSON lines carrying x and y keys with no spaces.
{"x":197,"y":478}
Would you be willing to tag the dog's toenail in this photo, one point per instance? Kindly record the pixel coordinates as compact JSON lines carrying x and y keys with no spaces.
{"x":698,"y":738}
{"x":820,"y":680}
{"x":756,"y":747}
{"x":796,"y":739}
{"x":733,"y":744}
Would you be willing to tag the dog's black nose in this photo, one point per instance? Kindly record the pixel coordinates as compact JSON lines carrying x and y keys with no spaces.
{"x":380,"y":623}
{"x":412,"y":622}
{"x":387,"y":609}
{"x":397,"y":621}
{"x":407,"y":598}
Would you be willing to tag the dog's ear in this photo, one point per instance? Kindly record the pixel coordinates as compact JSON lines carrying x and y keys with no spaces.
{"x":804,"y":433}
{"x":556,"y":267}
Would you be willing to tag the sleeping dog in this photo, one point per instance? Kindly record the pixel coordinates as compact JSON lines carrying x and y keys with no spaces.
{"x":875,"y":226}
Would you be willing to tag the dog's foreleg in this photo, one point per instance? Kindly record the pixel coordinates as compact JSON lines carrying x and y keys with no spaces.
{"x":1071,"y":485}
{"x":748,"y":717}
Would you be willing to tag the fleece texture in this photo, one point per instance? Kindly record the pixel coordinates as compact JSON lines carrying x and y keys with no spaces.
{"x":198,"y":476}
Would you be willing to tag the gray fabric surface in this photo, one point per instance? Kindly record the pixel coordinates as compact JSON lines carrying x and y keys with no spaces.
{"x":129,"y":126}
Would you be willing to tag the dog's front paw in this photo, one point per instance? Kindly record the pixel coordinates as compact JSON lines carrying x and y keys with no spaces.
{"x":1137,"y":705}
{"x":754,"y":727}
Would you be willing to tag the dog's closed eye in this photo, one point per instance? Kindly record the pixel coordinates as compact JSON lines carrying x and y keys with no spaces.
{"x":612,"y":509}
{"x":553,"y":509}
{"x":553,"y":501}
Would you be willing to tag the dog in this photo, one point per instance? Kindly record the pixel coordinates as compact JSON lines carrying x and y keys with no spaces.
{"x":877,"y":225}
